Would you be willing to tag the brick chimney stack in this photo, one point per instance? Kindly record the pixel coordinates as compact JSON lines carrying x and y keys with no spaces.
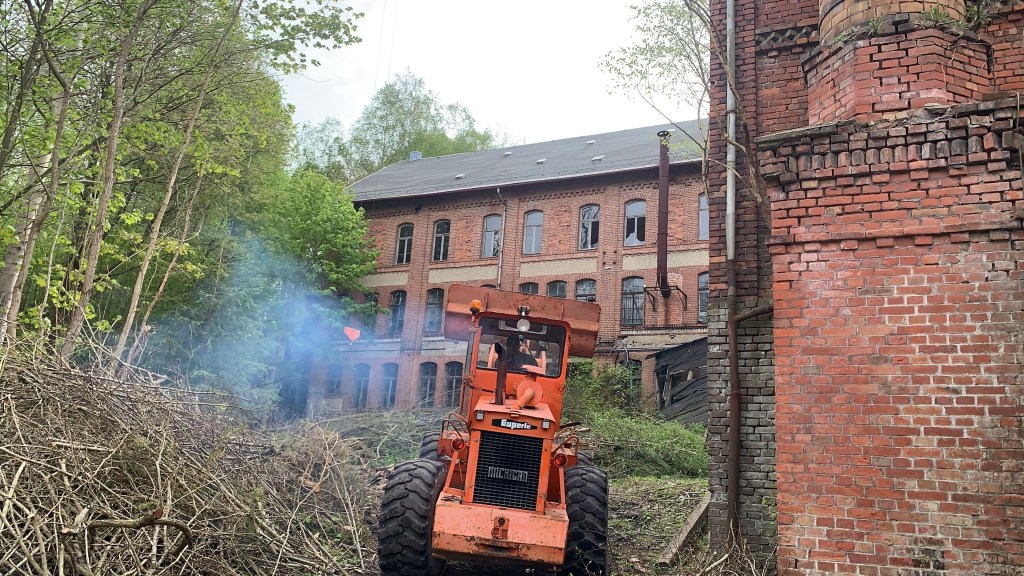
{"x":884,"y":58}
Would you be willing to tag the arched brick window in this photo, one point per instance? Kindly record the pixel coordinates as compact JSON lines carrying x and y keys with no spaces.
{"x":703,"y":296}
{"x":632,"y":302}
{"x":403,"y":249}
{"x":529,"y":288}
{"x":492,"y":236}
{"x":452,"y":384}
{"x":397,"y":311}
{"x":532,"y":232}
{"x":428,"y":383}
{"x":590,"y":226}
{"x":435,"y":311}
{"x":388,"y":385}
{"x":362,"y":385}
{"x":636,"y":223}
{"x":442,"y":233}
{"x":703,"y":217}
{"x":586,"y":290}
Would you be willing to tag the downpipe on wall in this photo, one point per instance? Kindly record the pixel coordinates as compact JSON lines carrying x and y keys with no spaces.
{"x":733,"y":318}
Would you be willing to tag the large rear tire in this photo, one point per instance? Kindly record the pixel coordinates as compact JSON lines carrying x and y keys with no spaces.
{"x":407,"y":519}
{"x":428,"y":446}
{"x":584,"y":458}
{"x":586,"y":503}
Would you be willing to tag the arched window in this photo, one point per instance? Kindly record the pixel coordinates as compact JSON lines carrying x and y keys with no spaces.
{"x":388,"y":385}
{"x":556,"y":289}
{"x":703,"y":217}
{"x":452,"y":384}
{"x":403,"y":250}
{"x":636,"y":223}
{"x":632,"y":302}
{"x":435,"y":311}
{"x":442,"y":230}
{"x":586,"y":290}
{"x":590,"y":226}
{"x":532,"y":229}
{"x":397,"y":311}
{"x":492,"y":236}
{"x":488,"y":286}
{"x":362,"y":384}
{"x":332,"y":383}
{"x":428,"y":383}
{"x":529,"y":288}
{"x":703,"y":296}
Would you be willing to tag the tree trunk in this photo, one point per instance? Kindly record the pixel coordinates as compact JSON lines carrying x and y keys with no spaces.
{"x":154,"y":230}
{"x":14,"y":256}
{"x":177,"y":253}
{"x":43,"y":206}
{"x":95,"y":240}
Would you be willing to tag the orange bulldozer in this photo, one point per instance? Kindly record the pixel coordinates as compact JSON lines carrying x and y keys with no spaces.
{"x":503,"y":482}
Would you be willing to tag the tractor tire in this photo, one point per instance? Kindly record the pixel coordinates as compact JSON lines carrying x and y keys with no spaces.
{"x":428,"y":446}
{"x":586,"y":503}
{"x":407,"y":519}
{"x":584,"y":458}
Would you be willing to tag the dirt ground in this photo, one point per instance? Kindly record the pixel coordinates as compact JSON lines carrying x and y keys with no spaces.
{"x":644,"y":515}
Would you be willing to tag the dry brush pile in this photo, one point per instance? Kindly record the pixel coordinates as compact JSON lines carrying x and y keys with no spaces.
{"x":133,"y":476}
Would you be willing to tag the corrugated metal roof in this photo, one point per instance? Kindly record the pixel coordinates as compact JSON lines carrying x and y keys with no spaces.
{"x":555,"y":160}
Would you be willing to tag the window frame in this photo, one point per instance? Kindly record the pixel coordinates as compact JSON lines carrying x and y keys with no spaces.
{"x":452,"y":385}
{"x":556,"y":283}
{"x":703,"y":217}
{"x":399,"y":300}
{"x":361,"y":385}
{"x":639,"y":224}
{"x":403,"y":244}
{"x":388,"y":384}
{"x":442,"y":241}
{"x":703,"y":296}
{"x":634,"y":314}
{"x":492,"y":237}
{"x":533,"y":234}
{"x":427,"y":383}
{"x":332,"y":380}
{"x":525,"y":286}
{"x":589,"y":297}
{"x":593,"y":231}
{"x":434,"y":316}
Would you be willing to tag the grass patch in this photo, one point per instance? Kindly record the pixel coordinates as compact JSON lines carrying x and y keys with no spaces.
{"x":627,"y":440}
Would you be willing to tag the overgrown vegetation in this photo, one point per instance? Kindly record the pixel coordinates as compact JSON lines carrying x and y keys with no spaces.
{"x":625,"y":439}
{"x":141,"y":475}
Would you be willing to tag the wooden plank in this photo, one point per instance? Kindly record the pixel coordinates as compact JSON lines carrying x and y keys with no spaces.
{"x":694,"y":521}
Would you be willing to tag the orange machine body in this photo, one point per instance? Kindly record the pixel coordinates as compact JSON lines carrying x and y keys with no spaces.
{"x":504,"y":495}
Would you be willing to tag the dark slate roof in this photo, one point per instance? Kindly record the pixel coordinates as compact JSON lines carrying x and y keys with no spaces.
{"x":607,"y":153}
{"x":684,"y":356}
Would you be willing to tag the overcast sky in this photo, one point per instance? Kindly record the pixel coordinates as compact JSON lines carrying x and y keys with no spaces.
{"x":526,"y":68}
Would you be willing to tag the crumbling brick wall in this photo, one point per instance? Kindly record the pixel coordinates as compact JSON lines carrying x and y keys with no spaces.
{"x":899,"y":306}
{"x":910,"y":179}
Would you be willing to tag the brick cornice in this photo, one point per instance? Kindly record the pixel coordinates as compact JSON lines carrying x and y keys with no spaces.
{"x":804,"y":32}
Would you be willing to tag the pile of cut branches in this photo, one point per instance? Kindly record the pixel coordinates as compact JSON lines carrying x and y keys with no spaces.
{"x":134,"y":475}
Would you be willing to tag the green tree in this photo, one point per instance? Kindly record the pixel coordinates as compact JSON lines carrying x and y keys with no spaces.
{"x":670,"y":58}
{"x":324,"y":148}
{"x":404,"y":116}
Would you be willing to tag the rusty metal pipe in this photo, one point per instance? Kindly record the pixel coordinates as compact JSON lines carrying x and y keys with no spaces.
{"x":662,"y":263}
{"x":733,"y":457}
{"x":502,"y":367}
{"x":735,"y":396}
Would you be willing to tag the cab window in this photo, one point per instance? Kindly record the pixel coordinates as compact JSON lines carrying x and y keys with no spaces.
{"x":529,"y":344}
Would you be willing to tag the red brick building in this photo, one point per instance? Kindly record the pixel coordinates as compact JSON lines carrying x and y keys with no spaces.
{"x":881,"y":421}
{"x":573,"y":218}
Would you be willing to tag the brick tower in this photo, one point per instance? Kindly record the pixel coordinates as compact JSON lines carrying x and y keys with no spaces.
{"x":887,"y":135}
